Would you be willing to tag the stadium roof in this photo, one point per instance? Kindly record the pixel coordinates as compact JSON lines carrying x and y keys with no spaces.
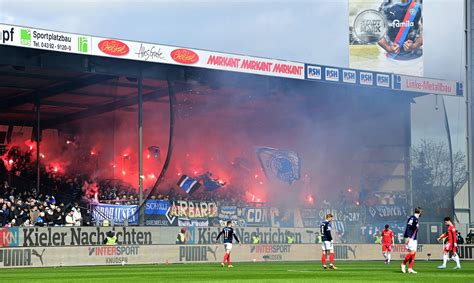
{"x":79,"y":75}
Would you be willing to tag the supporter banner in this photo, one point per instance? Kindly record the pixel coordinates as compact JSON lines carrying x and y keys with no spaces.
{"x":185,"y":222}
{"x":158,"y":213}
{"x":256,"y":216}
{"x":425,"y":85}
{"x":193,"y":209}
{"x":160,"y":220}
{"x":387,"y":212}
{"x":158,"y":207}
{"x":156,"y":254}
{"x":310,"y":217}
{"x":228,"y":212}
{"x":341,"y":217}
{"x":262,"y":216}
{"x":386,"y":36}
{"x":285,"y":217}
{"x":223,"y":223}
{"x":118,"y":214}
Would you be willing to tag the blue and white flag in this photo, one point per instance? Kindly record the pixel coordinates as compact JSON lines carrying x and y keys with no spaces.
{"x":157,"y":207}
{"x":117,"y":214}
{"x":282,"y":165}
{"x":188,"y":184}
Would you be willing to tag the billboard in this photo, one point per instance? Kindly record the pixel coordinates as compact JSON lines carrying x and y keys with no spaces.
{"x":132,"y":235}
{"x":153,"y":254}
{"x":433,"y":86}
{"x":370,"y":64}
{"x":386,"y":35}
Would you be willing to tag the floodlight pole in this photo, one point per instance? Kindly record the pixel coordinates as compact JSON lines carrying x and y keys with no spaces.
{"x":140,"y":151}
{"x":408,"y":168}
{"x":451,"y":166}
{"x":469,"y":106}
{"x":38,"y":137}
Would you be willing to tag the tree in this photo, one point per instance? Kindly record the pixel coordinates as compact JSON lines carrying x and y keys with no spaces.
{"x":432,"y":159}
{"x":431,"y":177}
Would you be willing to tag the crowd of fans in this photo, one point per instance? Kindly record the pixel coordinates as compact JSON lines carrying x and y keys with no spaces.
{"x":63,"y":199}
{"x":57,"y":203}
{"x":117,"y":192}
{"x":29,"y":208}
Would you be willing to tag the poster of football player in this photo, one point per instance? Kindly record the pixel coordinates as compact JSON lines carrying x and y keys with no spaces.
{"x":386,"y":35}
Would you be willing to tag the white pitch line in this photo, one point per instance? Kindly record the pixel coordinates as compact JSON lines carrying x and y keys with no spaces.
{"x":293,"y":270}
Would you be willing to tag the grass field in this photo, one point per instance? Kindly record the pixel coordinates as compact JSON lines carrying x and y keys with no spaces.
{"x":245,"y":272}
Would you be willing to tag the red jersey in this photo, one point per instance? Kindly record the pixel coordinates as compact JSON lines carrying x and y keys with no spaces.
{"x":387,"y":236}
{"x":451,"y":235}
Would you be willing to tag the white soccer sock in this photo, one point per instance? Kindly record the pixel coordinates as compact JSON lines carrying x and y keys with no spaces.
{"x":445,"y":259}
{"x":385,"y":255}
{"x":456,"y":259}
{"x":389,"y":257}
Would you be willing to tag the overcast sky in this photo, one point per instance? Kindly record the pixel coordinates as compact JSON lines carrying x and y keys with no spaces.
{"x":307,"y":31}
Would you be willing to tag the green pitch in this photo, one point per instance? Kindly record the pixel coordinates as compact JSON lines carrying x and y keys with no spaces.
{"x":245,"y":272}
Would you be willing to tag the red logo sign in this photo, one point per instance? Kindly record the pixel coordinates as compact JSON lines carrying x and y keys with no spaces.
{"x":113,"y":47}
{"x":184,"y":56}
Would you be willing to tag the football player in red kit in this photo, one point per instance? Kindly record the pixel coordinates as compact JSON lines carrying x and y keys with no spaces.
{"x":387,"y":243}
{"x":451,"y":246}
